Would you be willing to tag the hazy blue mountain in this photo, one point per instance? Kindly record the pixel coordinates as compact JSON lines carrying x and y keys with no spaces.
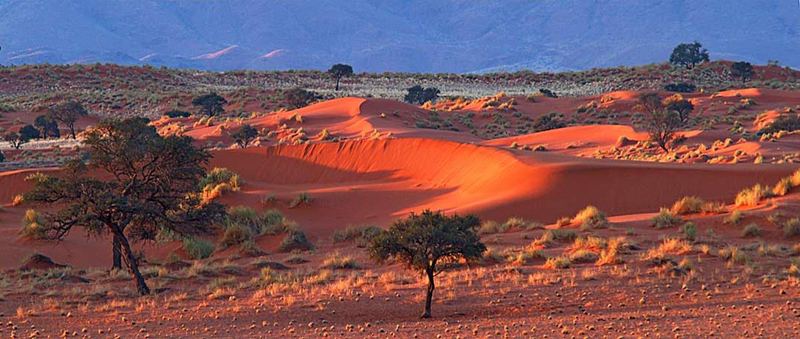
{"x":394,"y":35}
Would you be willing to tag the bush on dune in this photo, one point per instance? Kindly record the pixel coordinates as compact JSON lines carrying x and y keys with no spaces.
{"x":217,"y":181}
{"x":665,"y":218}
{"x":752,"y":196}
{"x":591,"y":217}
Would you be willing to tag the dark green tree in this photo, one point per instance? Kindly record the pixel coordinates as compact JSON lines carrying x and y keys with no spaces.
{"x":244,"y":135}
{"x":47,"y":126}
{"x":419,"y":95}
{"x":29,"y":132}
{"x":2,"y":157}
{"x":742,"y":70}
{"x":210,"y":104}
{"x":339,"y":71}
{"x":136,"y":182}
{"x":68,"y":114}
{"x":298,"y":97}
{"x":688,"y":55}
{"x":427,"y":242}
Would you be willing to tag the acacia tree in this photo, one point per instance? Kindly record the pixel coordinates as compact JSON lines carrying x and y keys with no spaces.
{"x":210,"y":104}
{"x":68,"y":114}
{"x":340,"y":70}
{"x":689,"y":55}
{"x":47,"y":126}
{"x":298,"y":97}
{"x":244,"y":135}
{"x":14,"y":139}
{"x":426,"y":242}
{"x":661,"y":123}
{"x":680,"y":105}
{"x":136,"y":183}
{"x":742,"y":70}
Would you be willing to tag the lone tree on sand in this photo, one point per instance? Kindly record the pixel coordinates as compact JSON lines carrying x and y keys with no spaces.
{"x":661,"y":123}
{"x":339,"y":71}
{"x":210,"y":104}
{"x":136,"y":183}
{"x":68,"y":114}
{"x":742,"y":70}
{"x":428,"y":241}
{"x":244,"y":135}
{"x":689,"y":55}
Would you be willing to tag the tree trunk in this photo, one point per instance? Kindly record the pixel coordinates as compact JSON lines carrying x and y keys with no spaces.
{"x":133,"y":266}
{"x":429,"y":295}
{"x":72,"y":130}
{"x":117,"y":254}
{"x":337,"y":83}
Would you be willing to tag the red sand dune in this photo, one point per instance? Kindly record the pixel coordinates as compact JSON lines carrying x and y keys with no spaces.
{"x":375,"y":181}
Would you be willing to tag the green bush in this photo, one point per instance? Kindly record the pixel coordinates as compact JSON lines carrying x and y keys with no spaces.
{"x":295,"y":241}
{"x":665,"y":219}
{"x":197,"y":248}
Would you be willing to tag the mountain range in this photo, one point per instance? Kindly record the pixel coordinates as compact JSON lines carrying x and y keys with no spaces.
{"x":394,"y":35}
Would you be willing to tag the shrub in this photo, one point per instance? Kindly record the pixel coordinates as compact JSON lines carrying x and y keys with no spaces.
{"x":419,"y":95}
{"x":668,"y":246}
{"x":295,"y":240}
{"x":551,"y":236}
{"x":33,"y":225}
{"x":751,"y":230}
{"x":680,"y":87}
{"x":689,"y":231}
{"x":557,"y":262}
{"x":490,"y":227}
{"x":302,"y":199}
{"x":734,"y":218}
{"x":734,"y":255}
{"x":610,"y":255}
{"x":665,"y":219}
{"x":782,"y":187}
{"x":787,"y":123}
{"x":791,"y":227}
{"x":337,"y":261}
{"x":751,"y":196}
{"x":177,"y":114}
{"x":688,"y":205}
{"x":591,"y":217}
{"x":583,"y":256}
{"x":197,"y":248}
{"x":218,"y":180}
{"x":236,"y":234}
{"x":362,"y":235}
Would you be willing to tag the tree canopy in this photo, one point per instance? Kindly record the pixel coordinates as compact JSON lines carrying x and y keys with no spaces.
{"x":742,"y":70}
{"x":68,"y":114}
{"x":689,"y":55}
{"x":210,"y":104}
{"x":244,"y":135}
{"x":340,"y":70}
{"x":661,"y":123}
{"x":136,"y":182}
{"x":426,"y":242}
{"x":419,"y":95}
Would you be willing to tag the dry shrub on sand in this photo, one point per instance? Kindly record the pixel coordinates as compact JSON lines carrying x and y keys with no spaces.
{"x":591,"y":217}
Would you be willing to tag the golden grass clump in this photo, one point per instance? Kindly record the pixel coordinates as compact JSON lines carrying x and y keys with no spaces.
{"x":688,"y":205}
{"x":217,"y":181}
{"x":591,"y":217}
{"x":673,"y":246}
{"x":32,"y":225}
{"x":752,"y":196}
{"x":559,"y":262}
